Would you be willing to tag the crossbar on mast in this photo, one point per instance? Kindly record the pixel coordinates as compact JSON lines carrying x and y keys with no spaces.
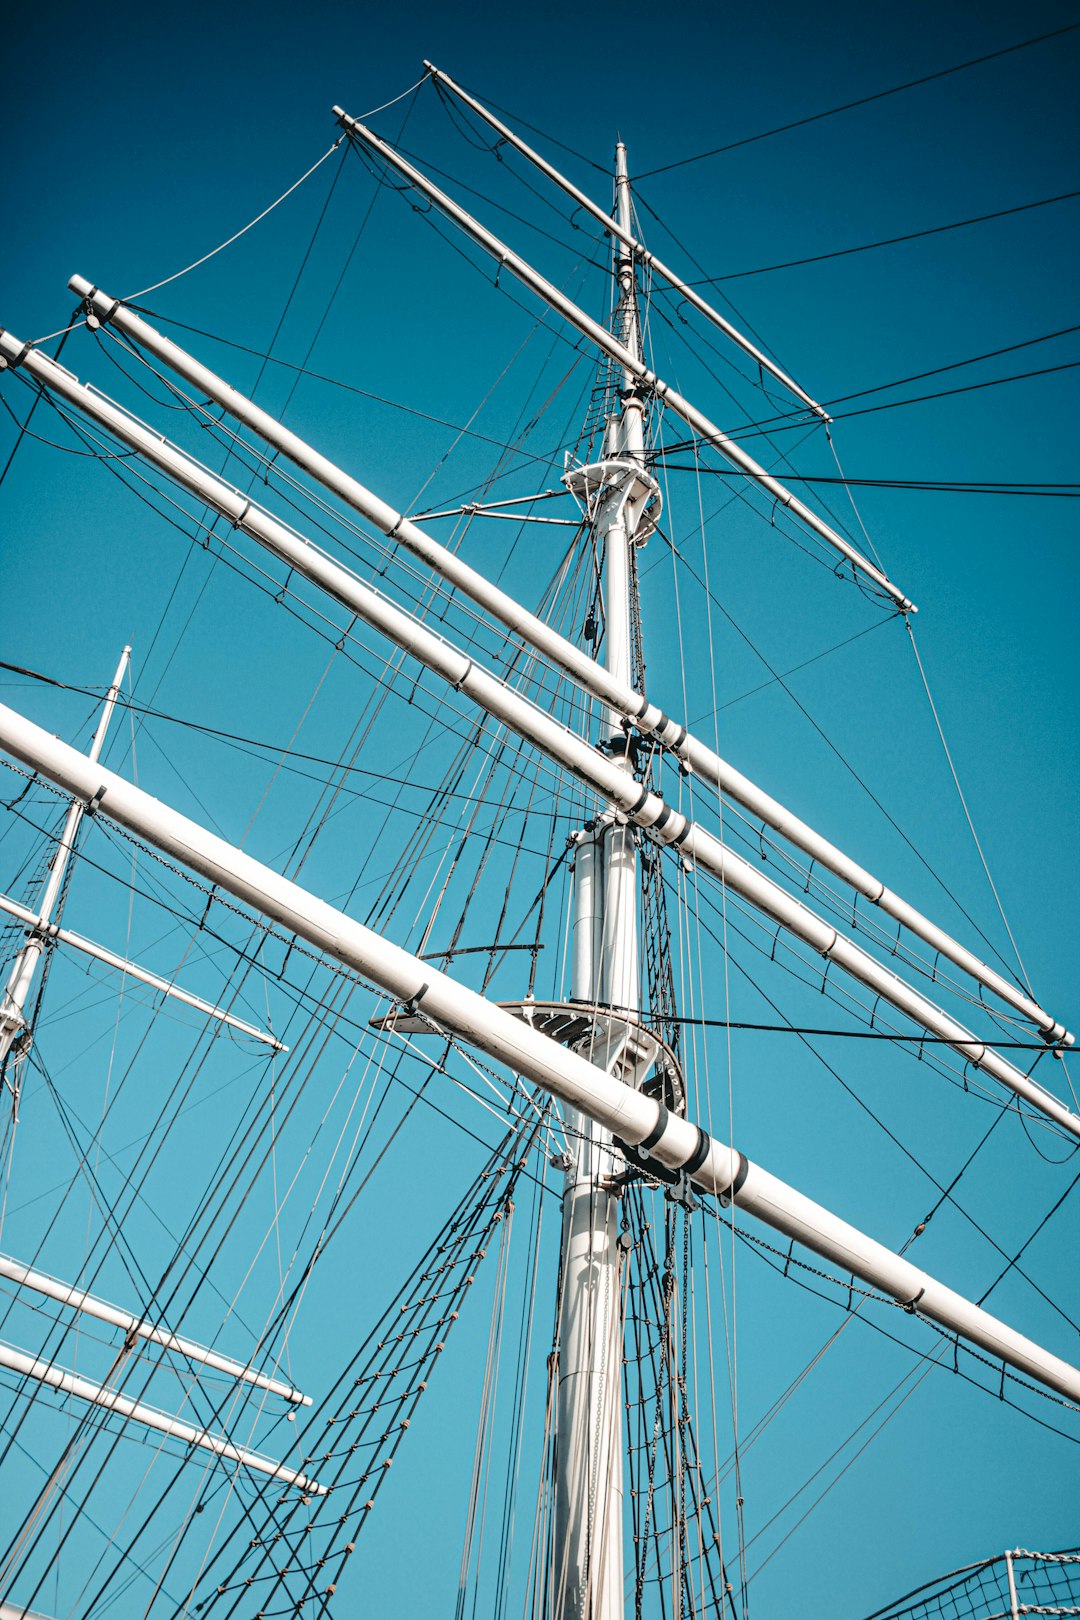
{"x":168,"y":987}
{"x":645,"y":808}
{"x":629,"y":1114}
{"x":602,"y":338}
{"x":77,"y":1299}
{"x":593,"y":677}
{"x":86,"y":1389}
{"x":614,"y":227}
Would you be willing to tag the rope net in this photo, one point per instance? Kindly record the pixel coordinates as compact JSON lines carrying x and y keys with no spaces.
{"x":1000,"y":1588}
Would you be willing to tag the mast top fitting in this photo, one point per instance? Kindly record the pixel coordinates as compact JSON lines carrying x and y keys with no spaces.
{"x":636,"y":490}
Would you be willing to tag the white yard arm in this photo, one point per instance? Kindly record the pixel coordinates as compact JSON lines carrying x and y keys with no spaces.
{"x":64,"y":936}
{"x":641,"y":253}
{"x":602,"y":338}
{"x":86,"y":1389}
{"x":632,"y":1116}
{"x":645,"y":808}
{"x":77,"y":1299}
{"x":591,"y":676}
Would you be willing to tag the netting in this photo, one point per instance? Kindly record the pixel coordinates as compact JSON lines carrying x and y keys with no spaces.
{"x":1001,"y":1588}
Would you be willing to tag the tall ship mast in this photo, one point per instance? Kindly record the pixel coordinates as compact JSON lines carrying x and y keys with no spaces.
{"x":398,"y":1169}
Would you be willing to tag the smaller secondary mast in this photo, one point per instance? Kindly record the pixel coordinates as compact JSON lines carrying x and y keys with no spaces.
{"x":23,"y":969}
{"x":42,"y":929}
{"x":15,"y":1036}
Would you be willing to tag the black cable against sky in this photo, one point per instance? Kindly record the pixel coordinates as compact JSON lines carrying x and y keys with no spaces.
{"x":862,"y":101}
{"x":776,"y":424}
{"x":955,"y":365}
{"x":943,"y":393}
{"x":932,"y":486}
{"x":886,"y":241}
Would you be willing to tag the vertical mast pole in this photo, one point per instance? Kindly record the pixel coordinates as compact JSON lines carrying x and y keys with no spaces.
{"x":24,"y":967}
{"x":587,"y":1561}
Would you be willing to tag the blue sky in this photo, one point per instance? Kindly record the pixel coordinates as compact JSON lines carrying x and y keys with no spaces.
{"x":135,"y":144}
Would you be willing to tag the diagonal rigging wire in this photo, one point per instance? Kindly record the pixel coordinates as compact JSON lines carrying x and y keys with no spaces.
{"x":862,"y":101}
{"x":886,"y":241}
{"x":964,"y":806}
{"x":349,"y":388}
{"x":797,"y":418}
{"x":778,"y":678}
{"x":778,"y":424}
{"x":268,"y":210}
{"x":960,"y":795}
{"x":237,"y":234}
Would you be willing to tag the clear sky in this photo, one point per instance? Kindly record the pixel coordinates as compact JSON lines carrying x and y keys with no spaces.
{"x":135,"y":142}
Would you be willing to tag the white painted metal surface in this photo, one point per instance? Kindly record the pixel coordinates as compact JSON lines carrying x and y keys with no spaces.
{"x":1014,"y":1607}
{"x":647,"y":810}
{"x":597,"y":680}
{"x":86,"y":1389}
{"x":587,"y":1579}
{"x":610,"y":346}
{"x":25,"y":965}
{"x":77,"y":1299}
{"x":168,"y":987}
{"x":621,"y":231}
{"x":628,"y":1114}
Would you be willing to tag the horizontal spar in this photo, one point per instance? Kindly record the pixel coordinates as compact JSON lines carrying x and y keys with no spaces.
{"x":591,"y":676}
{"x":77,"y":1299}
{"x":630,"y":1115}
{"x":603,"y":340}
{"x":87,"y":1389}
{"x":131,"y":970}
{"x":461,"y":672}
{"x":633,"y":246}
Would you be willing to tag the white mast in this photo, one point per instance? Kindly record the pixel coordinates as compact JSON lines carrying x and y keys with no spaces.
{"x":587,"y":1553}
{"x":24,"y":967}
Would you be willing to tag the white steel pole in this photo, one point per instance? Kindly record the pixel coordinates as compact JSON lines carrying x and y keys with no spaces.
{"x":24,"y":967}
{"x":64,"y":936}
{"x":587,"y":1564}
{"x":86,"y":1389}
{"x":587,"y":1573}
{"x":632,"y":1116}
{"x":622,"y":232}
{"x":602,"y":338}
{"x":646,"y":809}
{"x":597,"y":680}
{"x":89,"y":1305}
